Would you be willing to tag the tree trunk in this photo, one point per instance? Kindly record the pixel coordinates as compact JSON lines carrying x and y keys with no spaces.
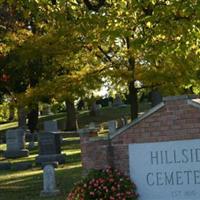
{"x":71,"y":123}
{"x":21,"y":117}
{"x":131,"y":86}
{"x":33,"y":118}
{"x":133,"y":100}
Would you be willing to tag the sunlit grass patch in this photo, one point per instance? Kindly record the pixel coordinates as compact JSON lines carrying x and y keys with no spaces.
{"x":2,"y":147}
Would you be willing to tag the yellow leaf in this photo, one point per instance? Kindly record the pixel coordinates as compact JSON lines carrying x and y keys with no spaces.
{"x":149,"y":24}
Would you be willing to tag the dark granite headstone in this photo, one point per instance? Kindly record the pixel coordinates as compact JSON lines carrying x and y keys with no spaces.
{"x":155,"y":97}
{"x":50,"y":148}
{"x":49,"y":143}
{"x":51,"y":126}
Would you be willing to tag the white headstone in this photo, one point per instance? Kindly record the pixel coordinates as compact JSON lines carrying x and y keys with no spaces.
{"x":49,"y":110}
{"x":110,"y":104}
{"x":51,"y":126}
{"x":166,"y":170}
{"x":46,"y":110}
{"x":112,"y":126}
{"x":117,"y":101}
{"x":49,"y":182}
{"x":99,"y":106}
{"x":92,"y":125}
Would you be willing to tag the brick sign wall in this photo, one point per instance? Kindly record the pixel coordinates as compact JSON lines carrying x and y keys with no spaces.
{"x":176,"y":118}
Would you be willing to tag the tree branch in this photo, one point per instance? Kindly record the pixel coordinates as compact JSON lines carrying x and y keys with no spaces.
{"x":150,"y":86}
{"x":93,"y":7}
{"x":53,"y":2}
{"x":105,"y":54}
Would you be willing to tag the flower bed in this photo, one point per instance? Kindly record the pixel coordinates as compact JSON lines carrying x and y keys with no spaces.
{"x":107,"y":184}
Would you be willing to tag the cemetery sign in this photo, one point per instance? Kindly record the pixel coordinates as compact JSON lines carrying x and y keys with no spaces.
{"x":166,"y":170}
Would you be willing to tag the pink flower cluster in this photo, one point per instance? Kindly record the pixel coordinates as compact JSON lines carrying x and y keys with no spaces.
{"x":107,"y":184}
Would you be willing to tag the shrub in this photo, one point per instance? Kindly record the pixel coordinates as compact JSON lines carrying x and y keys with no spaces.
{"x":107,"y":184}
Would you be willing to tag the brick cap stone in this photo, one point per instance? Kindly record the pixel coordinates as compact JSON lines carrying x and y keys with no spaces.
{"x":194,"y":102}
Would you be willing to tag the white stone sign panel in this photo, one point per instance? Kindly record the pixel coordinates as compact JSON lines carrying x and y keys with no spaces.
{"x":166,"y":170}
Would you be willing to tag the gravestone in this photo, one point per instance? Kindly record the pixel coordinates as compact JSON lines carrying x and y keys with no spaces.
{"x":46,"y":110}
{"x":15,"y":141}
{"x":166,"y":170}
{"x":99,"y":106}
{"x":51,"y":126}
{"x":93,"y":129}
{"x":50,"y":148}
{"x":32,"y":137}
{"x":117,"y":101}
{"x":121,"y":122}
{"x":49,"y":182}
{"x":110,"y":104}
{"x":49,"y":110}
{"x":124,"y":120}
{"x":112,"y":126}
{"x":155,"y":97}
{"x":92,"y":125}
{"x":94,"y":109}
